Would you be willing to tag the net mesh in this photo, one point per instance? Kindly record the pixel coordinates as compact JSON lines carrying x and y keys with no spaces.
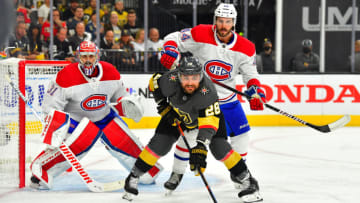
{"x":37,"y":76}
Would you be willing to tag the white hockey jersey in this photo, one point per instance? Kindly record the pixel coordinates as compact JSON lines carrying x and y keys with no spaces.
{"x":71,"y":91}
{"x":222,"y":62}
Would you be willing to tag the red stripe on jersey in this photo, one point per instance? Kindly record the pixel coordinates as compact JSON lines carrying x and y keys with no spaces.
{"x":181,"y":149}
{"x":208,"y":126}
{"x":71,"y":75}
{"x":244,"y":46}
{"x":203,"y":34}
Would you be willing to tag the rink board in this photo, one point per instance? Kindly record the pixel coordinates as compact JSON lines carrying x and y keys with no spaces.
{"x":318,"y":99}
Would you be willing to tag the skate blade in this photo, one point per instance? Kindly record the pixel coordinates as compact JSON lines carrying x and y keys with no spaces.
{"x":128,"y":196}
{"x":168,"y":192}
{"x":250,"y":198}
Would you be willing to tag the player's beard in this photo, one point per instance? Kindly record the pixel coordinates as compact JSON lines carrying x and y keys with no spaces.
{"x":190,"y":89}
{"x":221,"y":32}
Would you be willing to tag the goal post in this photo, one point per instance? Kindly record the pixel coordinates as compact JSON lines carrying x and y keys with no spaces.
{"x":19,"y":128}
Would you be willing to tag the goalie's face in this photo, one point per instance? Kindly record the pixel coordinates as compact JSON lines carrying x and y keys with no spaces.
{"x":87,"y":62}
{"x":224,"y":26}
{"x":190,"y":83}
{"x":88,"y":56}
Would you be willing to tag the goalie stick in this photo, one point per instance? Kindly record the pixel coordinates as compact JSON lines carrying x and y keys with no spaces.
{"x":70,"y":157}
{"x":200,"y":172}
{"x":322,"y":128}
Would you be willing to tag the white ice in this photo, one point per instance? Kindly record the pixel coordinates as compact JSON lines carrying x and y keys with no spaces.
{"x":292,"y":165}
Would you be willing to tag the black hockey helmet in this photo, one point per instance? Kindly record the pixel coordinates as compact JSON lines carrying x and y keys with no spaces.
{"x":190,"y":65}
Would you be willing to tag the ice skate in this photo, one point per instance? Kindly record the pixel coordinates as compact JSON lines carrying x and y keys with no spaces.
{"x":172,"y":183}
{"x":34,"y":182}
{"x":249,"y":187}
{"x":131,"y":184}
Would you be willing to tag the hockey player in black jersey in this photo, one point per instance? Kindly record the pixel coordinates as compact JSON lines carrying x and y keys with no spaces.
{"x":185,"y":95}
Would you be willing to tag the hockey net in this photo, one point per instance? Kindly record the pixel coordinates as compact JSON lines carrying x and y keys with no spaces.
{"x":20,"y":130}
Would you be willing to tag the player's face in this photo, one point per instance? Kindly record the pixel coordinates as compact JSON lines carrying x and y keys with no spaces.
{"x":88,"y":60}
{"x":190,"y":83}
{"x":224,"y":26}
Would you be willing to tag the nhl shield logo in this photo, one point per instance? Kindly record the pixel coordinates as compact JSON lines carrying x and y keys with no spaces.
{"x":218,"y":70}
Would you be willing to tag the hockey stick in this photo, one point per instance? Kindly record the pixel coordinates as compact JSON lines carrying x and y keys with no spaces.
{"x":70,"y":157}
{"x":322,"y":128}
{"x":201,"y":174}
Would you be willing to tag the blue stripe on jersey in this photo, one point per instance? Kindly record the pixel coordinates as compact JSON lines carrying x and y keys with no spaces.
{"x":180,"y":158}
{"x":100,"y":124}
{"x":236,"y":121}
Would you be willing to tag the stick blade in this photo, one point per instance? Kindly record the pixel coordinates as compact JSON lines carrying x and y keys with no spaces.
{"x":340,"y":123}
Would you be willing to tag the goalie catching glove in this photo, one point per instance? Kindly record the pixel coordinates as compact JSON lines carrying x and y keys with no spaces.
{"x":198,"y":158}
{"x":130,"y":107}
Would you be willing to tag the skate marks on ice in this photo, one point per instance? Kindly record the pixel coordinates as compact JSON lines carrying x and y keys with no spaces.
{"x":301,"y":165}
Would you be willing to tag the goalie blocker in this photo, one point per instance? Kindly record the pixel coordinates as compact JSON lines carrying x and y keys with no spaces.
{"x":116,"y":136}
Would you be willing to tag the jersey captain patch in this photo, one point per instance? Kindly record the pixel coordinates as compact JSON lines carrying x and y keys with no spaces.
{"x":218,"y":70}
{"x":93,"y":102}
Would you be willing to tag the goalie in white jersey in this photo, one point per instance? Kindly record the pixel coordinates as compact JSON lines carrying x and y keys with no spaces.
{"x":77,"y":112}
{"x":224,"y":54}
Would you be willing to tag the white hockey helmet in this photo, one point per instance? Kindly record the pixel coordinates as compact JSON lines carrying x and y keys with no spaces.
{"x":226,"y":11}
{"x":88,"y":48}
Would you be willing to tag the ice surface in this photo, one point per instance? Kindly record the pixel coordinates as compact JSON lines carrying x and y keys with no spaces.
{"x":292,"y":165}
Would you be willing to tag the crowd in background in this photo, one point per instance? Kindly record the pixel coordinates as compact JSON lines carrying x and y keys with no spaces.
{"x":122,"y":36}
{"x":121,"y":32}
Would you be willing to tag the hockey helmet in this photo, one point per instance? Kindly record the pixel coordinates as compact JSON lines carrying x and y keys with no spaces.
{"x":190,"y":65}
{"x":88,"y":48}
{"x":306,"y":43}
{"x":226,"y":11}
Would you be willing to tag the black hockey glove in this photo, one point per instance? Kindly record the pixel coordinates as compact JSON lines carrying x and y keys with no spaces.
{"x":198,"y":158}
{"x":168,"y":113}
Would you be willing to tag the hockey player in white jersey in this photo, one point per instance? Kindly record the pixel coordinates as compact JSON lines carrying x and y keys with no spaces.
{"x":77,"y":112}
{"x":224,"y":54}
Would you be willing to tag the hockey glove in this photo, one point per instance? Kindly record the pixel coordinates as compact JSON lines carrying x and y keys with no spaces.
{"x":257,"y":97}
{"x":198,"y":158}
{"x":130,"y":107}
{"x":168,"y":113}
{"x":170,"y":55}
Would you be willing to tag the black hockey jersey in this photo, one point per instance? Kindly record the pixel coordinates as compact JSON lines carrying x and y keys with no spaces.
{"x":200,"y":109}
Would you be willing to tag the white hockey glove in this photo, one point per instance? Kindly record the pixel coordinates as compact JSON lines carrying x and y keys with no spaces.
{"x":130,"y":107}
{"x":56,"y":127}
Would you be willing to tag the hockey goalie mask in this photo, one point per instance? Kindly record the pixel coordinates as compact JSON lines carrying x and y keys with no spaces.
{"x":88,"y":55}
{"x":226,"y":11}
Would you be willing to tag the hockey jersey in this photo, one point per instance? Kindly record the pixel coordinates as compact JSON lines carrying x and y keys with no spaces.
{"x":200,"y":109}
{"x":222,"y":62}
{"x":71,"y":91}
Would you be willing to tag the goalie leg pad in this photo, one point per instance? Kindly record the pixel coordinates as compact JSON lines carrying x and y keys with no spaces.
{"x":125,"y":147}
{"x":50,"y":162}
{"x":56,"y":127}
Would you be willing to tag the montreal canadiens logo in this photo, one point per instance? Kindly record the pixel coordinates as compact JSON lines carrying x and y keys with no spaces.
{"x":94,"y":102}
{"x":218,"y":70}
